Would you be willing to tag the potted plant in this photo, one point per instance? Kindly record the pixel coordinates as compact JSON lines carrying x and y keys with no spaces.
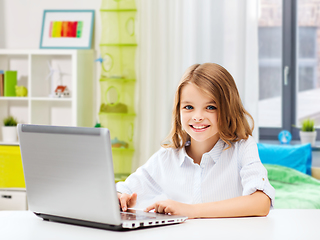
{"x":9,"y":130}
{"x":308,"y":133}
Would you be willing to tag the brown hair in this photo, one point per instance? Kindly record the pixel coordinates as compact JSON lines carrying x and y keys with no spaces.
{"x":218,"y":84}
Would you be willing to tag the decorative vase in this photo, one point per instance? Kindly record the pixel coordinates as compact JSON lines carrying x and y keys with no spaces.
{"x":308,"y":137}
{"x":9,"y":133}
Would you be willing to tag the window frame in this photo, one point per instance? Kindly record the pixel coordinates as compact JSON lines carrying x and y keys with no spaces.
{"x":289,"y":58}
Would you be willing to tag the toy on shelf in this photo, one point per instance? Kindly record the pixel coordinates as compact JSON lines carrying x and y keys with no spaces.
{"x":116,"y":143}
{"x":114,"y":108}
{"x":62,"y":91}
{"x":21,"y":91}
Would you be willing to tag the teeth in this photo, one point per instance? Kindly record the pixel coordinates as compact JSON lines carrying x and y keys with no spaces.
{"x":199,"y":127}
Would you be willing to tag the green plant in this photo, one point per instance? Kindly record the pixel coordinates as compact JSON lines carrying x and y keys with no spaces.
{"x":10,"y":121}
{"x":307,"y":125}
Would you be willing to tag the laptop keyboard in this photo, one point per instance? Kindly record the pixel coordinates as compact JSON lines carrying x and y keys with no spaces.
{"x":134,"y":216}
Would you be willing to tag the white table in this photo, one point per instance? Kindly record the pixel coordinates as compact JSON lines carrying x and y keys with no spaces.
{"x":279,"y":224}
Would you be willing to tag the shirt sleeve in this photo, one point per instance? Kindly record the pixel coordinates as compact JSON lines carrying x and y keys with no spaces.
{"x":254,"y":175}
{"x":143,"y":181}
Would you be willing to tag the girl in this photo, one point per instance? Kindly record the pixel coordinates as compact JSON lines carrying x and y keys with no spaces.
{"x":211,"y":166}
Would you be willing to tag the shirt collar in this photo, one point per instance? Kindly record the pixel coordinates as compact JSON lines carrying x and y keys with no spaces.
{"x":214,"y":153}
{"x":183,"y":156}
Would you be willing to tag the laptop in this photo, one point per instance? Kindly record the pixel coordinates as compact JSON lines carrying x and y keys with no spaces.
{"x":69,"y":178}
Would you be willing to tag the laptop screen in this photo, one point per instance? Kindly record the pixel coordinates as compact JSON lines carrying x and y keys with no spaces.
{"x":69,"y":172}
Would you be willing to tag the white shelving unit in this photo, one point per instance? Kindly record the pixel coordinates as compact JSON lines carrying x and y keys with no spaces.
{"x":40,"y":107}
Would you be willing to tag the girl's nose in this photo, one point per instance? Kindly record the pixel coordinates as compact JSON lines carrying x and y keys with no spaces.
{"x":197,"y":119}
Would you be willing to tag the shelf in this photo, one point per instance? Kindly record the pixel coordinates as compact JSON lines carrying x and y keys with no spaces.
{"x":18,"y":108}
{"x":35,"y":99}
{"x":72,"y":68}
{"x":51,"y":99}
{"x":40,"y":51}
{"x":14,"y":98}
{"x":118,"y":46}
{"x":117,"y":79}
{"x":58,"y":113}
{"x":13,"y":189}
{"x":10,"y":143}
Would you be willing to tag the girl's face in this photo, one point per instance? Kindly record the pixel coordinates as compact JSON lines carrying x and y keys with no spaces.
{"x":199,"y":115}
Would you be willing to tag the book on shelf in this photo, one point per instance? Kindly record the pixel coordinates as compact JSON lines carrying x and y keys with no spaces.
{"x":1,"y":82}
{"x":10,"y":82}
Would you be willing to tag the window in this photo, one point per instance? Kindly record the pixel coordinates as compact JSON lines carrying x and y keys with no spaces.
{"x":289,"y":65}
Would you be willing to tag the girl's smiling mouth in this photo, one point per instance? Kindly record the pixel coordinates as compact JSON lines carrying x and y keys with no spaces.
{"x":199,"y":127}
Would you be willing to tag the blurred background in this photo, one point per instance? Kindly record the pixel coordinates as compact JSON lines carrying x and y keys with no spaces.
{"x":271,"y":47}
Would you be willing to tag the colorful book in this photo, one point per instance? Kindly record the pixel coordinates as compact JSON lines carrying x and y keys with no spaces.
{"x":1,"y":82}
{"x":10,"y":82}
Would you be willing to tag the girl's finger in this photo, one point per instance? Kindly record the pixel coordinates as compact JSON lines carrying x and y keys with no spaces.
{"x":161,"y":208}
{"x":156,"y":207}
{"x":167,"y":210}
{"x":133,"y":199}
{"x":148,"y":209}
{"x":123,"y":201}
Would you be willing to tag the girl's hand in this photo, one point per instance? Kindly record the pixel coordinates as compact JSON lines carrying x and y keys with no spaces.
{"x":127,"y":201}
{"x":173,"y":208}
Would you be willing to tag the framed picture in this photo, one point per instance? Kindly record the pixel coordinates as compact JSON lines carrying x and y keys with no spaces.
{"x":67,"y":29}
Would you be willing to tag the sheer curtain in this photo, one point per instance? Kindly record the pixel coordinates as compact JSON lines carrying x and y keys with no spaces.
{"x":174,"y":34}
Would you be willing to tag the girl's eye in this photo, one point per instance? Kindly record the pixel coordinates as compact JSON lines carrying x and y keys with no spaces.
{"x":211,"y":107}
{"x":188,"y":107}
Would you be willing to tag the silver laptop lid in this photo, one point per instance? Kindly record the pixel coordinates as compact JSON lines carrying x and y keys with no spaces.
{"x":69,"y":172}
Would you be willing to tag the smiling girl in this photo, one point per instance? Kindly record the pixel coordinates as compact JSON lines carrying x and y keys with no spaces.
{"x":211,"y":167}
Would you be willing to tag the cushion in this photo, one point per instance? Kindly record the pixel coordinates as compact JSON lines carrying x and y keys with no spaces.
{"x":294,"y":156}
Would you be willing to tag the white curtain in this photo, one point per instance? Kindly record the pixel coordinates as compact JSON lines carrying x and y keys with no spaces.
{"x":174,"y":34}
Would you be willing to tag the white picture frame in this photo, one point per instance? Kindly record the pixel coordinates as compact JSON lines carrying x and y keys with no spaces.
{"x":67,"y":29}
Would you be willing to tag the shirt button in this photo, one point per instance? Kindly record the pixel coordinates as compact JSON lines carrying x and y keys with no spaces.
{"x":262,"y":179}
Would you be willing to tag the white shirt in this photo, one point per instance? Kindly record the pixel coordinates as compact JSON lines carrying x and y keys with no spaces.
{"x":222,"y":174}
